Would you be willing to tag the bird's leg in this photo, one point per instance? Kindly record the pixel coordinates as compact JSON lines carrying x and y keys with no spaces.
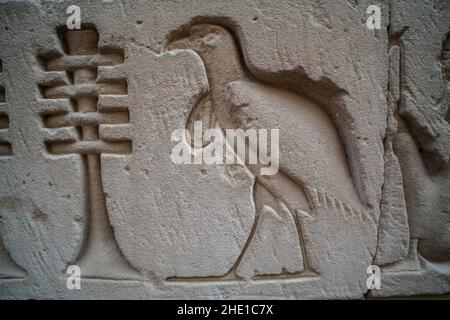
{"x":262,"y":197}
{"x":291,"y":194}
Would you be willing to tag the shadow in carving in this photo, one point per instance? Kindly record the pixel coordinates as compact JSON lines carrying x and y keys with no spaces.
{"x":445,"y":60}
{"x":427,"y":200}
{"x":5,"y":146}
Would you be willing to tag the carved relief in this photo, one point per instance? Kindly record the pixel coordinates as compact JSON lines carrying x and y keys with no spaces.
{"x":425,"y":233}
{"x":236,"y":100}
{"x":202,"y":229}
{"x":8,"y":268}
{"x":425,"y":188}
{"x":86,"y":133}
{"x":100,"y":257}
{"x":5,"y":146}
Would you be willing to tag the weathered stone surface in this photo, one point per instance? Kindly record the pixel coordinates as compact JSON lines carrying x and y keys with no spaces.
{"x":393,"y":229}
{"x":90,"y":119}
{"x":275,"y":247}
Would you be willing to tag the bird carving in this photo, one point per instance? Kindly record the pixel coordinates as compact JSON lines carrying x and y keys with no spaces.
{"x":310,"y":151}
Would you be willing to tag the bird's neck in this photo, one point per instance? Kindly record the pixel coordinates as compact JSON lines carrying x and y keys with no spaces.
{"x":223,"y":66}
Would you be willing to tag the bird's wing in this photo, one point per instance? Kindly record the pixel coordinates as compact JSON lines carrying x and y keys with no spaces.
{"x":310,"y":150}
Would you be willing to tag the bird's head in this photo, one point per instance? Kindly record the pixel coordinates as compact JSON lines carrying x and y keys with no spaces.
{"x":202,"y":38}
{"x":218,"y":49}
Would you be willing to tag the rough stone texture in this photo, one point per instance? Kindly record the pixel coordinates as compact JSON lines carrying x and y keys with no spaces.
{"x":87,"y":179}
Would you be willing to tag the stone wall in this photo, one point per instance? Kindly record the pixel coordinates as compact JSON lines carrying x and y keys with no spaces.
{"x":90,"y":118}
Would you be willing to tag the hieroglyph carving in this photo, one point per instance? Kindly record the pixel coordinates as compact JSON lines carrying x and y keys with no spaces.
{"x":101,"y":257}
{"x":8,"y":268}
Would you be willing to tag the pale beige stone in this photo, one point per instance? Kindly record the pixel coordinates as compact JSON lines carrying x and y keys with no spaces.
{"x":87,"y":179}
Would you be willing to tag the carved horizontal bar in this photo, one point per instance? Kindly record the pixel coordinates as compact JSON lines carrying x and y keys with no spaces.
{"x":90,"y":147}
{"x":86,"y":119}
{"x":107,"y":73}
{"x":113,"y":103}
{"x":54,"y":78}
{"x":69,"y":134}
{"x":120,"y":132}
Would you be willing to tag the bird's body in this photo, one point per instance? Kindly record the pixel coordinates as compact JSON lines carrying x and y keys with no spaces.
{"x":236,"y":100}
